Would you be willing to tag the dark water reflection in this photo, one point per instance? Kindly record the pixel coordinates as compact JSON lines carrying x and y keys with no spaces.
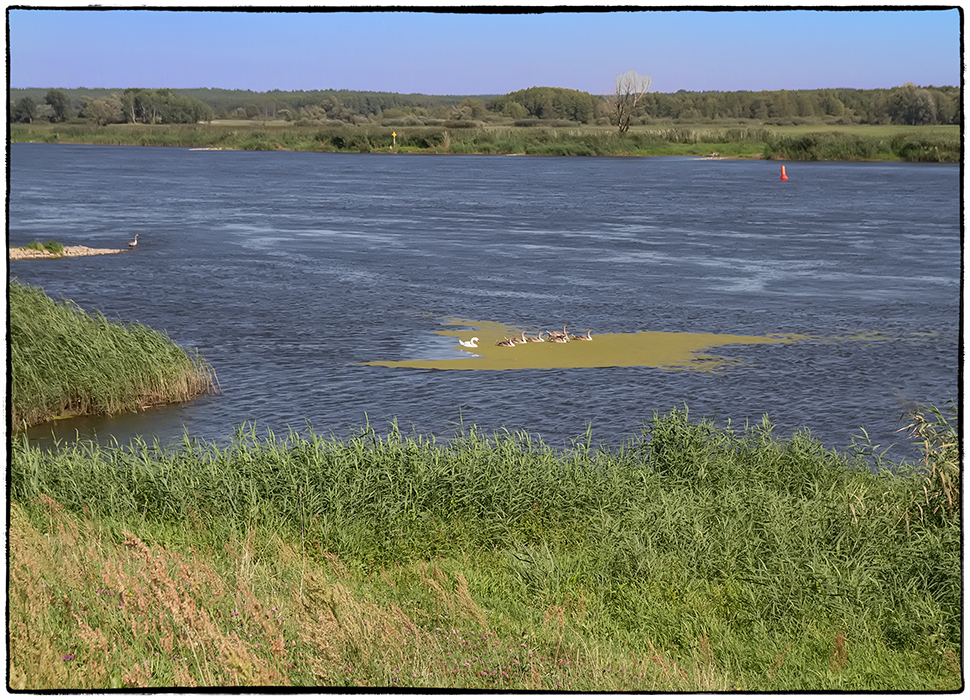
{"x":288,"y":270}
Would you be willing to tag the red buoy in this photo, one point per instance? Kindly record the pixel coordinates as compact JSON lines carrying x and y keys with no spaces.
{"x":783,"y":176}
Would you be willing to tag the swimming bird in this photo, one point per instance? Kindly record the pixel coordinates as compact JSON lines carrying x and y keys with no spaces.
{"x":519,"y":341}
{"x":536,"y":339}
{"x":557,"y":337}
{"x":588,"y":336}
{"x":506,"y":343}
{"x":134,"y":242}
{"x":473,"y":343}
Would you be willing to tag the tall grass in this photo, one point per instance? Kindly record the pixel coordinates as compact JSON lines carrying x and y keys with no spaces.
{"x":54,"y":247}
{"x":861,"y":143}
{"x":697,"y":557}
{"x":66,"y":361}
{"x":906,"y":146}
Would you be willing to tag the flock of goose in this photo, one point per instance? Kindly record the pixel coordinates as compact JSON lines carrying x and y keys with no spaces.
{"x":553,"y":337}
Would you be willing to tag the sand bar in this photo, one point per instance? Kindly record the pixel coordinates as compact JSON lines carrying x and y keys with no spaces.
{"x":70,"y":251}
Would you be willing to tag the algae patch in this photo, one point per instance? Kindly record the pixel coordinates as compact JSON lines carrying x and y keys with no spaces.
{"x":665,"y":350}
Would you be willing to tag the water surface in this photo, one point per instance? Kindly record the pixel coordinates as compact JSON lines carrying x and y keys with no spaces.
{"x":291,"y":272}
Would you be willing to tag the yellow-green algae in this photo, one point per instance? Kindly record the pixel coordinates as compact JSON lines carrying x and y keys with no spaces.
{"x":665,"y":350}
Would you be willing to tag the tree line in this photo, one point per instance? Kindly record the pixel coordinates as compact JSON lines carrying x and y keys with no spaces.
{"x":134,"y":105}
{"x":906,"y":104}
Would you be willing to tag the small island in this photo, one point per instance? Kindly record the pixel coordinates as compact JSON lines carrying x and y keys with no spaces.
{"x":71,"y":251}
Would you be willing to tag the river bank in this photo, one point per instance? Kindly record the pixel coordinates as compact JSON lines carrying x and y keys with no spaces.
{"x":698,"y":559}
{"x":928,"y":144}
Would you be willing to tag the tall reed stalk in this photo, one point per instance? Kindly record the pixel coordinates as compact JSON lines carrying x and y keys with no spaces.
{"x":66,"y":361}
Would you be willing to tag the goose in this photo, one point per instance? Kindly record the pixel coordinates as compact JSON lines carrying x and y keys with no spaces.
{"x":506,"y":343}
{"x":519,"y":341}
{"x":558,"y":337}
{"x":588,"y":336}
{"x":473,"y":343}
{"x":134,"y":242}
{"x":536,"y":339}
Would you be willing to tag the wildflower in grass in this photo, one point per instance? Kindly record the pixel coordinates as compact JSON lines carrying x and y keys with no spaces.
{"x":67,"y":657}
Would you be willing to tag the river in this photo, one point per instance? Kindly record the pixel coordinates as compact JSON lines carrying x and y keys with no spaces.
{"x":290,"y":271}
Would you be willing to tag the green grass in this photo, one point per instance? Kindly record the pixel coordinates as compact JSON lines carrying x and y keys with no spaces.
{"x":806,"y":142}
{"x":50,"y":246}
{"x":65,"y":361}
{"x":697,"y":557}
{"x":910,"y":147}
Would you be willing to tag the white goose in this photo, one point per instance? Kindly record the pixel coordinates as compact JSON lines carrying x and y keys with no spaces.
{"x":473,"y":343}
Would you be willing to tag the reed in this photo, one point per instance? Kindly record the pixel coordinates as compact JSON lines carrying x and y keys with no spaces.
{"x":51,"y":246}
{"x":697,"y":557}
{"x":65,"y":361}
{"x":832,"y":143}
{"x":906,"y":146}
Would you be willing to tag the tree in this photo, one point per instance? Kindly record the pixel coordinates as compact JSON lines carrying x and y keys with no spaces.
{"x":25,"y":110}
{"x":104,"y":110}
{"x":909,"y":104}
{"x":472,"y":109}
{"x":60,"y":103}
{"x":514,"y":110}
{"x":630,"y":89}
{"x":546,"y":103}
{"x":163,"y":106}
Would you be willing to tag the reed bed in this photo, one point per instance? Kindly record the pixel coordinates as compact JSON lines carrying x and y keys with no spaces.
{"x":906,"y":146}
{"x":862,"y":143}
{"x":697,"y":557}
{"x":65,"y":361}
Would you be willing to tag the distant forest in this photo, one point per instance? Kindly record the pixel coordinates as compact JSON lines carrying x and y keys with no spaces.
{"x":906,"y":104}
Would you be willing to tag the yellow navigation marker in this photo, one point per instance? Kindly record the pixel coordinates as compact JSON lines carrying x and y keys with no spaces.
{"x":644,"y":349}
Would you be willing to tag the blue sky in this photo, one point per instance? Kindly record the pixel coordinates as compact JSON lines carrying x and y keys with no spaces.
{"x":465,"y":54}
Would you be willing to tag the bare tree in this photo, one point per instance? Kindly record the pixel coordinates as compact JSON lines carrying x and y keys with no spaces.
{"x":630,"y":89}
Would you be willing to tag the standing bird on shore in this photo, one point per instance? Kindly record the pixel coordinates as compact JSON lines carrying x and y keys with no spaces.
{"x":473,"y":343}
{"x":134,"y":242}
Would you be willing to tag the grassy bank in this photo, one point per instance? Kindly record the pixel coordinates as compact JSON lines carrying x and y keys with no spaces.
{"x":697,"y":557}
{"x":65,"y":361}
{"x":938,"y":144}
